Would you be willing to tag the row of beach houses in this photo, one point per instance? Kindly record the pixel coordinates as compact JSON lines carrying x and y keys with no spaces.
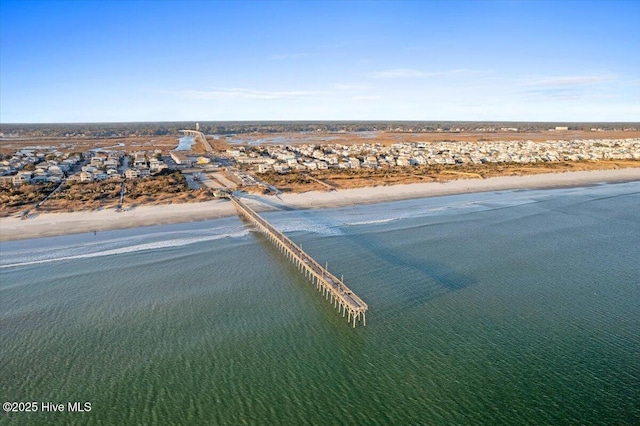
{"x":102,"y":166}
{"x":281,"y":158}
{"x":53,"y":167}
{"x":110,"y":165}
{"x":31,"y":166}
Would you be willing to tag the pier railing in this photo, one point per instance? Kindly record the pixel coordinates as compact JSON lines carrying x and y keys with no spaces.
{"x":334,"y":290}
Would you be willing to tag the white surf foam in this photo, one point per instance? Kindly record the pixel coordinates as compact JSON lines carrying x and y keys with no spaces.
{"x":58,"y":255}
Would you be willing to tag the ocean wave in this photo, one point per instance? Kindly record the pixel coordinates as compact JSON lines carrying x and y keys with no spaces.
{"x":153,"y":245}
{"x":309,"y":226}
{"x":373,"y":221}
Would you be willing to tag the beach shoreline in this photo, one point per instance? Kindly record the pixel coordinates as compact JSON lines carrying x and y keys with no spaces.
{"x":52,"y":224}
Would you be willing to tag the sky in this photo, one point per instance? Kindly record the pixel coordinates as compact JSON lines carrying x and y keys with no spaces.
{"x":127,"y":61}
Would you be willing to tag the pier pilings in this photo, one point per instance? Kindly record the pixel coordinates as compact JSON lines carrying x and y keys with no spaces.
{"x":332,"y":288}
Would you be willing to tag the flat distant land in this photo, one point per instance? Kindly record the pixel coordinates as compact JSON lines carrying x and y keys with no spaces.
{"x":392,"y":137}
{"x":141,"y":136}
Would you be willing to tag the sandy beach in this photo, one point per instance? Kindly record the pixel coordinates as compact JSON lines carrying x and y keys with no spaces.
{"x":51,"y":224}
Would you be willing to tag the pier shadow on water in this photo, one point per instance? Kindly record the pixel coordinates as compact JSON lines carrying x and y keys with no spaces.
{"x":434,"y":279}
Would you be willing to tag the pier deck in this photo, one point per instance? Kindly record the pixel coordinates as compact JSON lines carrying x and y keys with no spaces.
{"x":345,"y":300}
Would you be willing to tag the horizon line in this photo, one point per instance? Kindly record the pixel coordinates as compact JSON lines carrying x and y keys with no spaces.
{"x":2,"y":124}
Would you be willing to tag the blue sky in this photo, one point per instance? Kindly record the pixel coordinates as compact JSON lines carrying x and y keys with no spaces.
{"x":84,"y":61}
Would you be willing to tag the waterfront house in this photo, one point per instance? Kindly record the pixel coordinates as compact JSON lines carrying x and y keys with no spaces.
{"x":86,"y":176}
{"x":111,"y":162}
{"x":132,"y":174}
{"x":22,"y":177}
{"x":140,"y":159}
{"x":113,"y":173}
{"x":144,"y":172}
{"x":262,"y":168}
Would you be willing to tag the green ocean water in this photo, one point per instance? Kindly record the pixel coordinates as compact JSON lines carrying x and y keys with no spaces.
{"x":506,"y":308}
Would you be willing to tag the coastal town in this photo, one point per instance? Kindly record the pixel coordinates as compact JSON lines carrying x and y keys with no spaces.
{"x":32,"y":175}
{"x":283,"y":159}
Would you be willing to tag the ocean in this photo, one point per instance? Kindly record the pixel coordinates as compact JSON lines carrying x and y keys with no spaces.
{"x":500,"y":308}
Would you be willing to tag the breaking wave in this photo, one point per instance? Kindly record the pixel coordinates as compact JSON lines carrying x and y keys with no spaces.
{"x":107,"y":249}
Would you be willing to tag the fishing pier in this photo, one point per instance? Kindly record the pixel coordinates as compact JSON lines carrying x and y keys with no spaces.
{"x":332,"y":288}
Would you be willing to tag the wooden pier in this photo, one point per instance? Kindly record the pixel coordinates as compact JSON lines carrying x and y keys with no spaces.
{"x":332,"y":288}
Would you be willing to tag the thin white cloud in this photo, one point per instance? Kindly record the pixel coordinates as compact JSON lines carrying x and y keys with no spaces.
{"x":566,"y":81}
{"x":415,"y":73}
{"x":556,"y":94}
{"x":342,"y":86}
{"x":564,"y":88}
{"x":365,"y":98}
{"x":242,"y":93}
{"x":340,"y":92}
{"x":397,"y":73}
